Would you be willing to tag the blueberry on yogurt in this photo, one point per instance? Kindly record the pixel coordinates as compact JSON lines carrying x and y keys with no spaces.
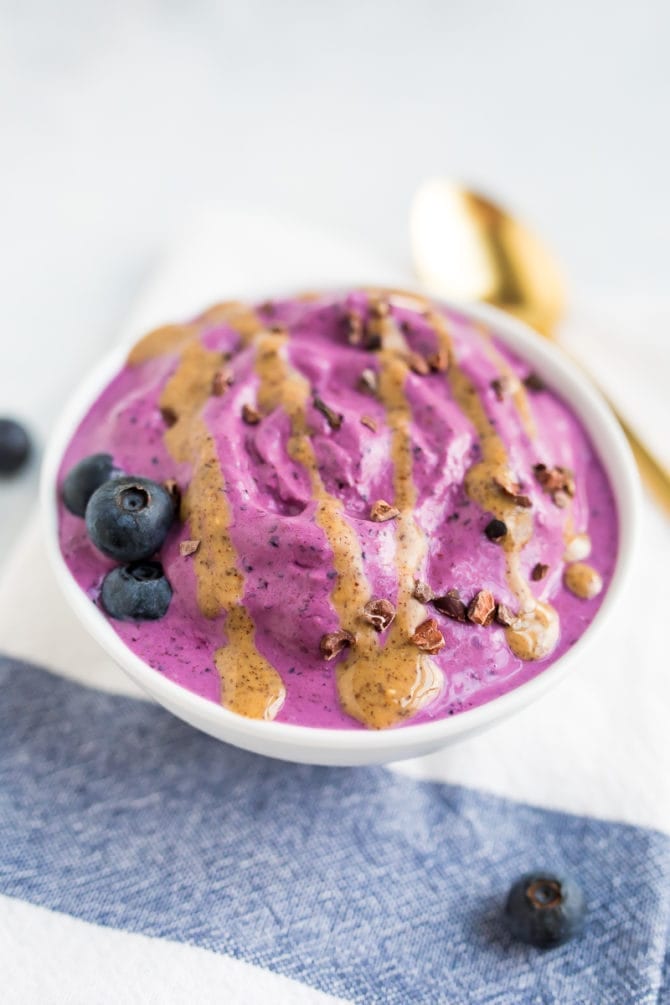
{"x":84,"y":478}
{"x":544,"y":910}
{"x":136,"y":592}
{"x":127,"y":518}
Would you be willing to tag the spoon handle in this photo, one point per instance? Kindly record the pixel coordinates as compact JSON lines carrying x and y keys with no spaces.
{"x":652,"y":472}
{"x":654,"y":475}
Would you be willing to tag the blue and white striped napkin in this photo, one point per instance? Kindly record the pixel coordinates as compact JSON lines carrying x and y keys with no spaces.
{"x":141,"y":861}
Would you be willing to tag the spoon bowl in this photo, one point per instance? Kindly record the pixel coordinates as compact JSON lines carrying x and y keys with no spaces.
{"x":462,"y":239}
{"x":466,"y":247}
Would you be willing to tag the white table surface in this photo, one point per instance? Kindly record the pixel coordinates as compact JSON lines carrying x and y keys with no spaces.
{"x":116,"y":119}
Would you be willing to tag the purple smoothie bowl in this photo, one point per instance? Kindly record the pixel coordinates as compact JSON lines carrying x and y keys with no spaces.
{"x":311,"y":727}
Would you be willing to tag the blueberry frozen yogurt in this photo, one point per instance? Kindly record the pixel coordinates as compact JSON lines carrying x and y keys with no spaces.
{"x":353,"y":511}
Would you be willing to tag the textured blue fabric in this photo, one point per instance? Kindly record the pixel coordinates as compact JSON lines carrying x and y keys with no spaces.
{"x":354,"y":881}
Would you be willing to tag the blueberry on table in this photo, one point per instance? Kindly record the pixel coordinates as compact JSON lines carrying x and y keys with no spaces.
{"x":128,"y":518}
{"x":14,"y":446}
{"x":137,"y":592}
{"x":84,"y":478}
{"x":544,"y":910}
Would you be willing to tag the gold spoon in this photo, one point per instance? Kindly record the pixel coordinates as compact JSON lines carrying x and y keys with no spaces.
{"x":466,"y":247}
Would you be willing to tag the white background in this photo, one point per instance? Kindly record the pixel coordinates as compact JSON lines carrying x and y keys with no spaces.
{"x":117,"y":118}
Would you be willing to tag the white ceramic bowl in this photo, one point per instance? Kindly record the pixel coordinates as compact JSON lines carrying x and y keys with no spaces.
{"x":349,"y":747}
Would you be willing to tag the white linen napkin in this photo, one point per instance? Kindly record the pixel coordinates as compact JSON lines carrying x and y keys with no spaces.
{"x":598,"y":743}
{"x":622,"y":341}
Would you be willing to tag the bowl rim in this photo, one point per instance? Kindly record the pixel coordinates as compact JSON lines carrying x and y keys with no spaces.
{"x":352,"y":746}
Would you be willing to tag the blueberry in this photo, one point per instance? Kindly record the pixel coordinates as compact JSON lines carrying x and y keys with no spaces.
{"x":84,"y":478}
{"x":137,"y":592}
{"x":544,"y":910}
{"x":128,"y":518}
{"x":14,"y":446}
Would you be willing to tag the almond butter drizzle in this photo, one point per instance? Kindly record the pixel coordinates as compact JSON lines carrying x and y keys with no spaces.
{"x":583,"y":580}
{"x":378,"y":686}
{"x":519,"y":394}
{"x":161,"y":342}
{"x":250,"y":684}
{"x":282,"y":386}
{"x":577,"y":546}
{"x":238,"y":316}
{"x":535,"y":634}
